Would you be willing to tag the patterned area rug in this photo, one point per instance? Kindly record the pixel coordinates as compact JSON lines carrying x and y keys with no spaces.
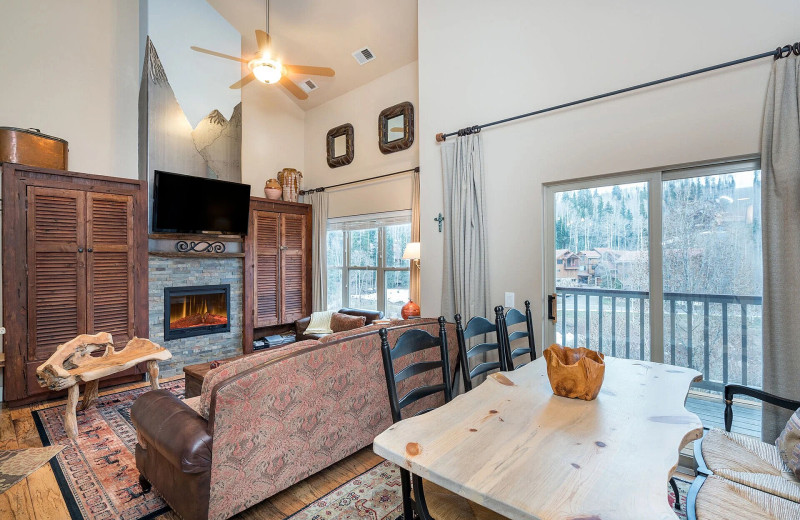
{"x":97,"y":473}
{"x":373,"y":495}
{"x":15,"y":465}
{"x":376,"y":495}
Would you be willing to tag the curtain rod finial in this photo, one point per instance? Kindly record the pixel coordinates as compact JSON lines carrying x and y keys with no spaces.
{"x":440,"y":137}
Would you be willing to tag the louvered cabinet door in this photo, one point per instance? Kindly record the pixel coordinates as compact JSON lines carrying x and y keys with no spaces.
{"x":266,"y":244}
{"x":109,"y":265}
{"x":293,"y":267}
{"x":56,"y":270}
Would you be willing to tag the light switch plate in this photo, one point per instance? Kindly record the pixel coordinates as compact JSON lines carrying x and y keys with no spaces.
{"x":509,"y":300}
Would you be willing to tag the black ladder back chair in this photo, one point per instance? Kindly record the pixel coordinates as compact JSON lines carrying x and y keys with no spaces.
{"x":511,"y":318}
{"x":477,"y":326}
{"x":409,"y":342}
{"x":732,"y":389}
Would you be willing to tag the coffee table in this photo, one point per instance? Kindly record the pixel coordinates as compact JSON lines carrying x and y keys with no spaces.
{"x":514,"y":447}
{"x":72,"y":364}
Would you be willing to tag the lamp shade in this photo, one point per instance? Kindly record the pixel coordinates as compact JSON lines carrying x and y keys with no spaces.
{"x":412,"y":251}
{"x":266,"y":70}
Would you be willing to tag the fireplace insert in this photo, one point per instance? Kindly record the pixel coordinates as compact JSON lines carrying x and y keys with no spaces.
{"x":196,"y":310}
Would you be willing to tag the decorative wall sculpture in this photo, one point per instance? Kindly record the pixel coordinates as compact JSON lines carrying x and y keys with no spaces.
{"x":173,"y":134}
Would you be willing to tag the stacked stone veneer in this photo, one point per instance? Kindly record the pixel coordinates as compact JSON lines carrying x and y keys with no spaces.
{"x":183,"y":272}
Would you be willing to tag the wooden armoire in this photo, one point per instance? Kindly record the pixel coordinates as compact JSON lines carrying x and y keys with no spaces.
{"x":277,"y":276}
{"x":74,"y":262}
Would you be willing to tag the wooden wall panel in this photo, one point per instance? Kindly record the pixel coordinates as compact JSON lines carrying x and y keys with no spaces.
{"x":109,"y":260}
{"x":266,"y":244}
{"x":45,"y":266}
{"x":293,"y":281}
{"x":294,"y":234}
{"x":56,"y":269}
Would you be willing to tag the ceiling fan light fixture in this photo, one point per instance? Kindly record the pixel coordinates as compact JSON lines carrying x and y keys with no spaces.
{"x":266,"y":70}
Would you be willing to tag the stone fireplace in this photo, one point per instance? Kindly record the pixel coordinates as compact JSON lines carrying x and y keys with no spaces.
{"x":195,"y":309}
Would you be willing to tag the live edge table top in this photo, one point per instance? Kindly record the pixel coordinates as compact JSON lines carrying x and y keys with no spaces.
{"x":513,"y":446}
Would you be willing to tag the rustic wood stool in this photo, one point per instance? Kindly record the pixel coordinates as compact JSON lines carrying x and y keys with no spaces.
{"x":72,"y":363}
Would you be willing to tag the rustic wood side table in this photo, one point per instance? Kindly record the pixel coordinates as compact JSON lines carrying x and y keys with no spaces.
{"x":72,"y":363}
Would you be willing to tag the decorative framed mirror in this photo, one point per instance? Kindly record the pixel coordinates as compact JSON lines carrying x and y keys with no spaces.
{"x":340,"y":145}
{"x":396,"y":128}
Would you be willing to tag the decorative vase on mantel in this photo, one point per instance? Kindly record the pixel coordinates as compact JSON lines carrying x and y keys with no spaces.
{"x":273,"y":189}
{"x":410,"y":310}
{"x":292,"y":181}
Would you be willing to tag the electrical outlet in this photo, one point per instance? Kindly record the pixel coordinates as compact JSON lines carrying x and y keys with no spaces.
{"x":509,"y":300}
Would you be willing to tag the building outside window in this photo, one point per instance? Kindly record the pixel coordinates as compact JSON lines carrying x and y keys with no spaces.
{"x":366,"y":269}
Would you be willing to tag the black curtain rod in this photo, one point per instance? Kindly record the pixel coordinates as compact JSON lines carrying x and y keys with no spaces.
{"x":303,"y":192}
{"x":780,"y":52}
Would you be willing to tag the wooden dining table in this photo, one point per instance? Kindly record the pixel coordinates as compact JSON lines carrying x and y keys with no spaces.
{"x":514,"y":447}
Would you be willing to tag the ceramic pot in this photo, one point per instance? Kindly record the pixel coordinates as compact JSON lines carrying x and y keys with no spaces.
{"x":575,"y":372}
{"x":409,"y":310}
{"x":273,"y":189}
{"x":292,"y":181}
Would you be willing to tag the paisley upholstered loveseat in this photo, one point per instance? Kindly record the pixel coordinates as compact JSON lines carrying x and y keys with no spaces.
{"x":267,"y":421}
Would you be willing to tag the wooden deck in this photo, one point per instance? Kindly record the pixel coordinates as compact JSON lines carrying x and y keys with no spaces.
{"x":711,"y":410}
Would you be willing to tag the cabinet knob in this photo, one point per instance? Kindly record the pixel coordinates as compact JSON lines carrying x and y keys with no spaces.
{"x":80,"y":250}
{"x":89,"y":250}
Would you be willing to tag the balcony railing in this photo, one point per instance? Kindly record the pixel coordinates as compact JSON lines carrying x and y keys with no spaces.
{"x":718,"y":335}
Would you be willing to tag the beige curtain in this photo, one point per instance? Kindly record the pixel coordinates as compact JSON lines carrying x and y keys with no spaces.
{"x":780,"y":216}
{"x":415,"y":274}
{"x":466,"y":282}
{"x":319,"y":250}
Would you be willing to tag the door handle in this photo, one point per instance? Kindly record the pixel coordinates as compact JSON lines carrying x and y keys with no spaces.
{"x":552,"y":307}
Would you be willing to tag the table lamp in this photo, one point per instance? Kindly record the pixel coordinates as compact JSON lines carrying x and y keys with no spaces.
{"x":411,"y":252}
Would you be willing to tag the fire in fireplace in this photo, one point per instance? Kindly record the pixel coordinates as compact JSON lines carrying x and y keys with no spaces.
{"x":195,"y":311}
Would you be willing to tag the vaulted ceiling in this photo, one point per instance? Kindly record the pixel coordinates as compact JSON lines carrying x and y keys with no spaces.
{"x":326,"y":33}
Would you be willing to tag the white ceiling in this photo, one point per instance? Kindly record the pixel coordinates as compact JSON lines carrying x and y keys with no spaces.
{"x":325,"y":33}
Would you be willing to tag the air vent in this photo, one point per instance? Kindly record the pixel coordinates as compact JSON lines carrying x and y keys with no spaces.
{"x":308,"y":85}
{"x":364,"y":55}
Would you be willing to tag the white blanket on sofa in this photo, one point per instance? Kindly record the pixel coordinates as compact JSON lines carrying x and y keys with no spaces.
{"x":320,"y":323}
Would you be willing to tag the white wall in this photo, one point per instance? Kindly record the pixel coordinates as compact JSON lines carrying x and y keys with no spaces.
{"x":521,"y":56}
{"x":361,"y":107}
{"x":71,"y":69}
{"x":272,"y":135}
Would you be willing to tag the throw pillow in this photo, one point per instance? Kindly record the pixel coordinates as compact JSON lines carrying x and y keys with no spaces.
{"x":789,"y":443}
{"x":320,"y":323}
{"x":342,"y":322}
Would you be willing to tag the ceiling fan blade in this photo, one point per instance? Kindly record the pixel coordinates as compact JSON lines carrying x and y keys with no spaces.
{"x":314,"y":71}
{"x":218,"y":54}
{"x":291,"y":87}
{"x":263,"y":41}
{"x":244,"y":81}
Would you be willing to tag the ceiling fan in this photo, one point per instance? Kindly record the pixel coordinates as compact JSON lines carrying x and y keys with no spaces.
{"x":268,"y":70}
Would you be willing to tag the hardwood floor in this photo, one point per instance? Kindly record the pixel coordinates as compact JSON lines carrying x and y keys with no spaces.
{"x":39,"y":498}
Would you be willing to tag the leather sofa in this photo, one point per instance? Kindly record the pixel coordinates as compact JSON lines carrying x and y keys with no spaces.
{"x":271,"y":419}
{"x":301,"y":325}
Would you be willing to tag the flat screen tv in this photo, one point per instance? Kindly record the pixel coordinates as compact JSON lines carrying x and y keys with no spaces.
{"x":186,"y":204}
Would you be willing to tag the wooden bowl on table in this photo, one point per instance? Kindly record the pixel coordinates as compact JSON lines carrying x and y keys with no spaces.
{"x":575,"y":372}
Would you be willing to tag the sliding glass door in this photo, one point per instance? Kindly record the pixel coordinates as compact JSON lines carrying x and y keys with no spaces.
{"x":712,"y":276}
{"x":662,"y":266}
{"x":602,"y":266}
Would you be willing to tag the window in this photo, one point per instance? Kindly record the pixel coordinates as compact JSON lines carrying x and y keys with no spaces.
{"x":366,"y":269}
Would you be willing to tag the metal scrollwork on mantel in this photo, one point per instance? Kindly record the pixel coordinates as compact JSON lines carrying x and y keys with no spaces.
{"x":182,"y":246}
